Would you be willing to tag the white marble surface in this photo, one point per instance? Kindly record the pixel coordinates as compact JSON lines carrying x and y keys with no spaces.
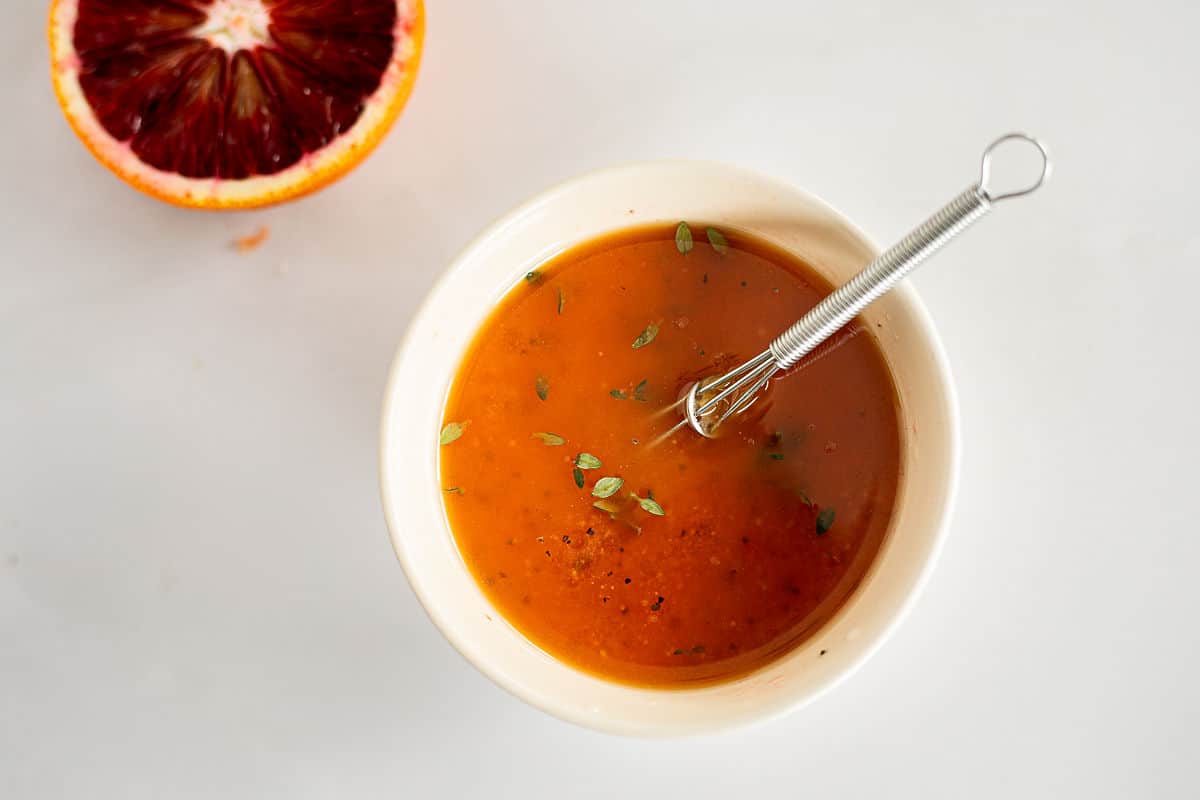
{"x":197,"y":595}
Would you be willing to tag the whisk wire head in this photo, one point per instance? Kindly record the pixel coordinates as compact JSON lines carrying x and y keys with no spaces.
{"x":709,"y":403}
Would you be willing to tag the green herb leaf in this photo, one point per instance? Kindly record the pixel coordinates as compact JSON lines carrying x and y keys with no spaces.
{"x":776,"y":456}
{"x":824,"y":521}
{"x":452,"y":431}
{"x":651,"y":506}
{"x":718,"y":241}
{"x":683,"y":238}
{"x":578,"y":475}
{"x":607,"y":487}
{"x":606,"y":505}
{"x":562,"y":298}
{"x":549,"y":439}
{"x":645,"y":337}
{"x":542,"y":387}
{"x":533,"y":277}
{"x":639,"y":392}
{"x":698,"y":649}
{"x":587,"y":461}
{"x":455,"y":490}
{"x":617,"y":393}
{"x":804,"y":498}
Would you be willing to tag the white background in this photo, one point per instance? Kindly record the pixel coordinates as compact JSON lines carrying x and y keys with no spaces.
{"x":197,"y":593}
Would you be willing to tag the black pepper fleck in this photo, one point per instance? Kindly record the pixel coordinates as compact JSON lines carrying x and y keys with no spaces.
{"x":743,"y":283}
{"x":566,"y":539}
{"x":591,"y":532}
{"x":629,"y":580}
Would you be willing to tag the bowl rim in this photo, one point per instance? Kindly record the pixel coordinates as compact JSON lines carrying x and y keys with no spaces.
{"x":575,"y":714}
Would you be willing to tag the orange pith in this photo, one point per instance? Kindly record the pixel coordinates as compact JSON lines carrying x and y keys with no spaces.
{"x":224,"y":104}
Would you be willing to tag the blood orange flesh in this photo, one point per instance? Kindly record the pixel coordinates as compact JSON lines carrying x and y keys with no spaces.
{"x":235,"y":89}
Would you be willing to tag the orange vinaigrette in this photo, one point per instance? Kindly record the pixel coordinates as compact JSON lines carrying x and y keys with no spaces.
{"x":684,"y":561}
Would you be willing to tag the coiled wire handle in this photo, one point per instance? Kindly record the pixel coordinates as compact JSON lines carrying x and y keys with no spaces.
{"x":877,"y":278}
{"x":898,"y":260}
{"x":734,"y":391}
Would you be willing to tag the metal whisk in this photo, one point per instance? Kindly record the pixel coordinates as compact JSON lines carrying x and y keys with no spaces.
{"x":711,"y":402}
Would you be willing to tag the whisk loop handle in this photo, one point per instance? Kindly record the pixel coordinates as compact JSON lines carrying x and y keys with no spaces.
{"x":733,"y":392}
{"x":897,"y":261}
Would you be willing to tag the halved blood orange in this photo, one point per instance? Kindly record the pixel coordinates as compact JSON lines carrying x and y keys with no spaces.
{"x":233,"y":103}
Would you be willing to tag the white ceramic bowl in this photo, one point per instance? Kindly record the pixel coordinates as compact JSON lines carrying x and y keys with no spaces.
{"x":580,"y":210}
